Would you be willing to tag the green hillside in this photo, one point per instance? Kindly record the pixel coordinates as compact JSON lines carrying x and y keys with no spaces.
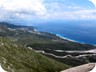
{"x":17,"y":58}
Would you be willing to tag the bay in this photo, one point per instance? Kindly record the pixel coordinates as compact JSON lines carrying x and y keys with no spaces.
{"x":79,"y":31}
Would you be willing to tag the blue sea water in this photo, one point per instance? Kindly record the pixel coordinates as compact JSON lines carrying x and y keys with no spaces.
{"x":80,"y":31}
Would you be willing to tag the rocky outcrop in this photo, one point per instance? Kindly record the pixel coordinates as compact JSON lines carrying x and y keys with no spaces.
{"x":82,"y":68}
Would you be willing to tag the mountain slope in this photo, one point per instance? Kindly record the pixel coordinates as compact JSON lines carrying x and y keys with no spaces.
{"x":17,"y":58}
{"x":49,"y":43}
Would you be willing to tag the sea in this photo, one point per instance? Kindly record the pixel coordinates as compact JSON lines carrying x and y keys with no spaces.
{"x":79,"y":31}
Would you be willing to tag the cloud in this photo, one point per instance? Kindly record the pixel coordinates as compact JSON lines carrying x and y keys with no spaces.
{"x":19,"y":7}
{"x":25,"y":5}
{"x":73,"y":15}
{"x":73,"y":9}
{"x":34,"y":10}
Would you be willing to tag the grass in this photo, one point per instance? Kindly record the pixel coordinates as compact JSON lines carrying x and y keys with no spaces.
{"x":17,"y":58}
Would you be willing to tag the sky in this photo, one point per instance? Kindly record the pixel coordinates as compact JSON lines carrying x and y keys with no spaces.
{"x":46,"y":10}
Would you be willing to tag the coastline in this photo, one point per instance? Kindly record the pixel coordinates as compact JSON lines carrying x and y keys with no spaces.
{"x":69,"y":39}
{"x":64,"y":37}
{"x":72,"y":40}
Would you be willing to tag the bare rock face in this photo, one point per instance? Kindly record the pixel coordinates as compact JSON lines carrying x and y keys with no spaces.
{"x":82,"y":68}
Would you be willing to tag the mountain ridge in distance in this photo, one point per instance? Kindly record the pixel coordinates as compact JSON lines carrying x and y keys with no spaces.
{"x":15,"y":37}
